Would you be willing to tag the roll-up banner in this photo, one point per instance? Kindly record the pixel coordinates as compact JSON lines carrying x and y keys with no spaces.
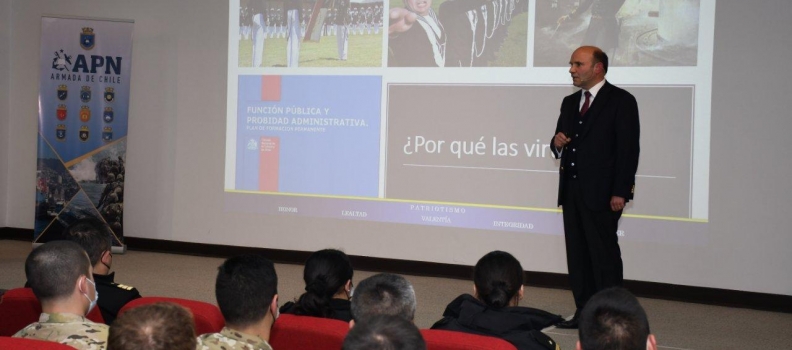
{"x":83,"y":111}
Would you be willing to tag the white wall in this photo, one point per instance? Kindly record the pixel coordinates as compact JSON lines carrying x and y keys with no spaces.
{"x":177,"y":127}
{"x":5,"y":35}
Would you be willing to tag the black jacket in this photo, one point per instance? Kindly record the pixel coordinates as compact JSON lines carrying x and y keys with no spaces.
{"x":520,"y":326}
{"x":341,"y":309}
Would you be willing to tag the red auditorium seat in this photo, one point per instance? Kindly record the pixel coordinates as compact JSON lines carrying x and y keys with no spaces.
{"x":19,"y":308}
{"x":208,"y":318}
{"x":307,"y":333}
{"x":449,"y":340}
{"x":7,"y":343}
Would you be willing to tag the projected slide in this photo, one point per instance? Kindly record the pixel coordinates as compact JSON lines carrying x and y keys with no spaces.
{"x":441,"y":112}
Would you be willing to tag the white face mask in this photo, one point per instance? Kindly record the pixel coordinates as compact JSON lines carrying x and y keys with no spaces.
{"x":96,"y":297}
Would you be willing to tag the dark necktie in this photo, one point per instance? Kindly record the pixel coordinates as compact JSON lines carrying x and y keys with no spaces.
{"x":586,"y":103}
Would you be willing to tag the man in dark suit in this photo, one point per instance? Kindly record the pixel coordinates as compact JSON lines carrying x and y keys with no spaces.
{"x":596,"y":139}
{"x":94,"y":238}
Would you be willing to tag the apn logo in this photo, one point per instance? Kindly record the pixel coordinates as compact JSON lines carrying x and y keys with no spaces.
{"x":63,"y":62}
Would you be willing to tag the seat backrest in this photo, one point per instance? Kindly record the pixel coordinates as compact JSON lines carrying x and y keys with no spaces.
{"x":307,"y":333}
{"x":208,"y":318}
{"x":449,"y":340}
{"x":18,"y":308}
{"x":26,"y":309}
{"x":8,"y":343}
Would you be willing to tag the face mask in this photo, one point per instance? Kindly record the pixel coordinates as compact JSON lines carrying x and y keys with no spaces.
{"x":96,"y":297}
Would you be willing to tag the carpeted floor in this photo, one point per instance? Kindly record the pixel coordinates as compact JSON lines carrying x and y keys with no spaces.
{"x":676,"y":325}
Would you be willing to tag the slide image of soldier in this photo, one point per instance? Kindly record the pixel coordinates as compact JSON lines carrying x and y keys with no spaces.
{"x":457,"y":33}
{"x":310,"y":33}
{"x":634,"y":33}
{"x":101,"y":177}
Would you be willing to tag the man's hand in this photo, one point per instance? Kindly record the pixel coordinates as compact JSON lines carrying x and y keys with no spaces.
{"x":617,"y":203}
{"x":560,"y":140}
{"x":401,"y":20}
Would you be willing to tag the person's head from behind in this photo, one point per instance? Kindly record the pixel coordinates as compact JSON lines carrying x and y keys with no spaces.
{"x":498,"y":280}
{"x":327,"y":274}
{"x":614,"y":320}
{"x":92,"y":236}
{"x":384,"y":332}
{"x":59,"y":273}
{"x":247,"y":291}
{"x":160,"y":326}
{"x":383,"y":294}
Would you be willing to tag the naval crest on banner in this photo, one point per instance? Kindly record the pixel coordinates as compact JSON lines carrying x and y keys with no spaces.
{"x":63,"y":92}
{"x":87,"y":38}
{"x":109,"y":94}
{"x":85,"y":114}
{"x":61,"y":112}
{"x":60,"y":132}
{"x":107,"y":134}
{"x":108,"y":115}
{"x":85,"y":94}
{"x":84,"y":133}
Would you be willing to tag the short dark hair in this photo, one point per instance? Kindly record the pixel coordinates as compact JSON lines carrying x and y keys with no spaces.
{"x":384,"y":332}
{"x":244,"y":289}
{"x":91,"y":235}
{"x":326,"y":272}
{"x":613,"y":320}
{"x":53,"y":268}
{"x":601,"y":57}
{"x":159,"y":326}
{"x":498,"y":277}
{"x":384,"y":294}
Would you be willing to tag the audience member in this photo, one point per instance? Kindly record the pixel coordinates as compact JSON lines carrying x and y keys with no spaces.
{"x":328,"y":283}
{"x":384,"y":332}
{"x":160,"y":326}
{"x":92,"y":236}
{"x":59,"y":273}
{"x":493,"y":308}
{"x":614,"y":320}
{"x":383,"y":294}
{"x":247,"y":293}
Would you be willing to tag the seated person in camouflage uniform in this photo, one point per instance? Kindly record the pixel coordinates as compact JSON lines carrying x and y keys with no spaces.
{"x":384,"y":332}
{"x":160,"y":326}
{"x":60,"y":274}
{"x":383,"y":294}
{"x":92,"y":236}
{"x":247,"y":294}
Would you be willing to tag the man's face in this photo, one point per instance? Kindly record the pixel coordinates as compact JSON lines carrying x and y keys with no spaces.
{"x":584,"y":72}
{"x":420,"y":7}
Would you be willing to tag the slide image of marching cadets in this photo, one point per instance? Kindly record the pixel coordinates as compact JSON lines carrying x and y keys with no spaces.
{"x":653,"y":33}
{"x":458,"y":33}
{"x":310,"y":33}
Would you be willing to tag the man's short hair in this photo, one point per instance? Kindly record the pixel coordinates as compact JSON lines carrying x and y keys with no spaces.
{"x":601,"y":57}
{"x":384,"y":332}
{"x":91,"y":235}
{"x":160,"y":326}
{"x":244,"y":289}
{"x":613,"y":320}
{"x":53,"y":268}
{"x":384,"y":294}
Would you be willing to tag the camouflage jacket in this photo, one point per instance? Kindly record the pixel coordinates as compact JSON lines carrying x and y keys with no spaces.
{"x":69,"y":329}
{"x":229,"y":339}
